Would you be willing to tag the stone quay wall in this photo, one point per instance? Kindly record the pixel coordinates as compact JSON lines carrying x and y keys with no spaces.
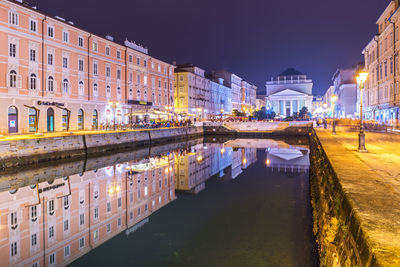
{"x":337,"y":228}
{"x":43,"y":149}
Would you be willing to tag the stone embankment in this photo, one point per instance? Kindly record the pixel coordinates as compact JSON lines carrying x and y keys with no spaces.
{"x":37,"y":149}
{"x":355,"y":199}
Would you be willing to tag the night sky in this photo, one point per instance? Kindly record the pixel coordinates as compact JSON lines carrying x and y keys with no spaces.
{"x":255,"y":39}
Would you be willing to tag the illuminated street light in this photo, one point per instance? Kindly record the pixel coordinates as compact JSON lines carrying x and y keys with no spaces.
{"x":114,"y":106}
{"x":333,"y":100}
{"x":361,"y":79}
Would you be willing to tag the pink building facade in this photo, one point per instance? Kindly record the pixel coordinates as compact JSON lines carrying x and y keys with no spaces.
{"x":58,"y":77}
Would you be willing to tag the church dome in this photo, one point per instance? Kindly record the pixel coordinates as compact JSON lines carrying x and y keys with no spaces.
{"x":291,"y":72}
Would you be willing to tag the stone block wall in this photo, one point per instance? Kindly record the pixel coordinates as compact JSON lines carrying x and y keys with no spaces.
{"x":43,"y":149}
{"x":339,"y":235}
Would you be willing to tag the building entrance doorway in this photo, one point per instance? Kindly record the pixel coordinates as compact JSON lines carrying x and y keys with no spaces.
{"x":32,"y":120}
{"x":12,"y":120}
{"x":50,"y":120}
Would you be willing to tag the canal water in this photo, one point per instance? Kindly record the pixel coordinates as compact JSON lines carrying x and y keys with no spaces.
{"x":242,"y":202}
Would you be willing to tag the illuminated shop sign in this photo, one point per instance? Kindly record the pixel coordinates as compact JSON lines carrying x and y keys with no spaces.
{"x":45,"y":103}
{"x":142,"y":103}
{"x":51,"y":187}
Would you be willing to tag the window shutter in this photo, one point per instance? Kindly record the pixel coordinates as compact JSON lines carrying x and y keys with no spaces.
{"x":19,"y":81}
{"x":38,"y":84}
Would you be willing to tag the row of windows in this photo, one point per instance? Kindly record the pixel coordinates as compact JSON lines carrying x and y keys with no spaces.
{"x":33,"y":27}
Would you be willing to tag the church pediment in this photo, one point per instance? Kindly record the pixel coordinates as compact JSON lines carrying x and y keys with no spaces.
{"x":288,"y":92}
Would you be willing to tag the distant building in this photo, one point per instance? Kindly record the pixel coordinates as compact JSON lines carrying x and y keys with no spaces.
{"x":289,"y":92}
{"x":235,"y":83}
{"x":260,"y":102}
{"x":248,"y":97}
{"x":317,"y":104}
{"x":327,"y":96}
{"x":346,"y":90}
{"x":220,"y":101}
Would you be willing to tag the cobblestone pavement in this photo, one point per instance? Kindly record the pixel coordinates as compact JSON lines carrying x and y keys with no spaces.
{"x":372,"y":182}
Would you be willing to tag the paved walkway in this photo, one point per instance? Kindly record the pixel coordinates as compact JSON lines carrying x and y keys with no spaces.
{"x":372,"y":181}
{"x":58,"y":134}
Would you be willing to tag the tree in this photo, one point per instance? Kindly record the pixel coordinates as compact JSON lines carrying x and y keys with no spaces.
{"x":303,"y":114}
{"x":263,"y":114}
{"x":237,"y":113}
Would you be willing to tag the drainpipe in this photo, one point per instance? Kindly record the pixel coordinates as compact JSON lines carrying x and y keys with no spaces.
{"x":378,"y":68}
{"x":43,"y":79}
{"x":394,"y":60}
{"x":126,"y":83}
{"x":88,"y":85}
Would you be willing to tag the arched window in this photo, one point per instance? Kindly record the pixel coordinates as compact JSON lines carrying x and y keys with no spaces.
{"x":95,"y":89}
{"x":32,"y":82}
{"x":80,"y":119}
{"x":81,"y":88}
{"x":108,"y":90}
{"x":50,"y":84}
{"x":13,"y":78}
{"x":65,"y":86}
{"x":119,"y":90}
{"x":50,"y":120}
{"x":138,"y":94}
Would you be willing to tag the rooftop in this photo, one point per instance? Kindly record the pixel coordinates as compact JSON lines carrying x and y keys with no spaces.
{"x":290,"y":72}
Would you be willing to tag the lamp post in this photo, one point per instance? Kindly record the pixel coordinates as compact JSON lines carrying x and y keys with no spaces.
{"x":333,"y":99}
{"x":361,"y":79}
{"x":325,"y":105}
{"x":114,"y":106}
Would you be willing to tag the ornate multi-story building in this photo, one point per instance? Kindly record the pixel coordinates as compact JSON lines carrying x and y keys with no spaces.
{"x":200,"y":96}
{"x":59,"y":77}
{"x":381,"y":95}
{"x":289,"y":92}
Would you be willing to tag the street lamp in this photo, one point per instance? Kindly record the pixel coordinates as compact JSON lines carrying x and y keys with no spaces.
{"x":333,"y":99}
{"x":361,"y":79}
{"x":114,"y":106}
{"x":325,"y":105}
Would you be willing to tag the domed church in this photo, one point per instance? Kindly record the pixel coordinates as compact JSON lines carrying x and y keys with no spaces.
{"x":289,"y":92}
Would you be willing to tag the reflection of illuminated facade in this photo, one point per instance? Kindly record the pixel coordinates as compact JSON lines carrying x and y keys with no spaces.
{"x":236,"y":162}
{"x":53,"y":223}
{"x":249,"y":156}
{"x":192,"y":169}
{"x":293,"y":159}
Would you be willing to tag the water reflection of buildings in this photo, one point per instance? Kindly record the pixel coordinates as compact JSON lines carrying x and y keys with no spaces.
{"x":53,"y":223}
{"x":193,"y":168}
